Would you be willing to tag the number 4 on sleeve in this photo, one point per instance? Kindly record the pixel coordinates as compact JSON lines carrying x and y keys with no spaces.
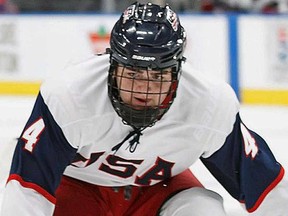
{"x":250,"y":144}
{"x":32,"y":133}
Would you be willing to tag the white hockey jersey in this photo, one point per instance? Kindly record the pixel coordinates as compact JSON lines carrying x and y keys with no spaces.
{"x":73,"y":128}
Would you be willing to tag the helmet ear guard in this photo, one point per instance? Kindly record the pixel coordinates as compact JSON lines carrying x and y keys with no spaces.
{"x":146,"y":37}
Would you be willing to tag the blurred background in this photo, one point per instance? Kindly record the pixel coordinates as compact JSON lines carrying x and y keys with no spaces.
{"x":244,"y":42}
{"x":263,"y":6}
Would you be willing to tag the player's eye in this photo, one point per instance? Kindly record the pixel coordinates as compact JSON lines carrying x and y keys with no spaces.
{"x":132,"y":74}
{"x":161,"y":76}
{"x":157,"y":76}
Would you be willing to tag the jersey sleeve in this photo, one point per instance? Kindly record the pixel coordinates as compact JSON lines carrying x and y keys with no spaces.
{"x":275,"y":203}
{"x":245,"y":166}
{"x":40,"y":158}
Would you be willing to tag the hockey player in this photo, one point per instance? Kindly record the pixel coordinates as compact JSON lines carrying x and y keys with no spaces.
{"x":117,"y":133}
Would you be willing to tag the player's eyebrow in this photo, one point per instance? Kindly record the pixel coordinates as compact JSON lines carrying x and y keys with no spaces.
{"x":164,"y":71}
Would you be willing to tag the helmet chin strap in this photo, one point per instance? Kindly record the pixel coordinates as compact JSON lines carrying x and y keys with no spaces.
{"x":170,"y":96}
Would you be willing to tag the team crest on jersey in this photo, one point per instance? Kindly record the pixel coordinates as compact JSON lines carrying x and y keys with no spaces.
{"x":129,"y":12}
{"x":172,"y":19}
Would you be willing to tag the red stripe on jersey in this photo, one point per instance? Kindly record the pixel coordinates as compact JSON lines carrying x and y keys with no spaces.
{"x":33,"y":186}
{"x":267,"y":190}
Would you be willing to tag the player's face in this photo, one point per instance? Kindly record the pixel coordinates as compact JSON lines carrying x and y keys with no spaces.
{"x":140,"y":88}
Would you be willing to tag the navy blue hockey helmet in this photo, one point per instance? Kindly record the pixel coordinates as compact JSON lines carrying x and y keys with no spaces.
{"x":147,"y":36}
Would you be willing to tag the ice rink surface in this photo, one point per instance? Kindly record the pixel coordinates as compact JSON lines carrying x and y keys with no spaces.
{"x":271,"y":122}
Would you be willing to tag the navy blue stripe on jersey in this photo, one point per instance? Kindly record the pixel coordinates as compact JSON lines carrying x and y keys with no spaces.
{"x":245,"y":166}
{"x":41,"y":165}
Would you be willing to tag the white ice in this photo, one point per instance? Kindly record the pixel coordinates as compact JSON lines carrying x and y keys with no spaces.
{"x":269,"y":121}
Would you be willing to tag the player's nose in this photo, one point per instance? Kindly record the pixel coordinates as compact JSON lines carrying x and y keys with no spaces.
{"x":142,"y":83}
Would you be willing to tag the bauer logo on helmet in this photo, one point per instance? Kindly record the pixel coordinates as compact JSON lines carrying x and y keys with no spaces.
{"x":144,"y":58}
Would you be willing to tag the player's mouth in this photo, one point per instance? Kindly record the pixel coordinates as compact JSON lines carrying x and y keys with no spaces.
{"x":141,"y":103}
